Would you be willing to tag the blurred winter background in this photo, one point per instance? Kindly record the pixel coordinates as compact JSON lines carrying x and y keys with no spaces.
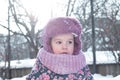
{"x":22,"y":21}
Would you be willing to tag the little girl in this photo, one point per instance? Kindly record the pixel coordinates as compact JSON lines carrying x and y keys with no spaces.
{"x":61,"y":57}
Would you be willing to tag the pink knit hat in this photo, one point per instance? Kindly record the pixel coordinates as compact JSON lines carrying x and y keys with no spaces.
{"x":62,"y":25}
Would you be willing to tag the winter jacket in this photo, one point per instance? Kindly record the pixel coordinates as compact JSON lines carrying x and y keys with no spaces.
{"x":41,"y":72}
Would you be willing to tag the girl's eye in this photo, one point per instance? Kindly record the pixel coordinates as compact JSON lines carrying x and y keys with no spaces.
{"x":58,"y":42}
{"x":70,"y":42}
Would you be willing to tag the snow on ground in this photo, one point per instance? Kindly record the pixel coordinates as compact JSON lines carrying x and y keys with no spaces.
{"x":26,"y":63}
{"x":102,"y":57}
{"x":108,"y":77}
{"x":96,"y":77}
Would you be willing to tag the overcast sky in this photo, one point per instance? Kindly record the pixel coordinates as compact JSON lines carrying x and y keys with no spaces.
{"x":44,"y":9}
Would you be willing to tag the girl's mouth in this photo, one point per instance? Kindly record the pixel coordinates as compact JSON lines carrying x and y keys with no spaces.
{"x":64,"y":53}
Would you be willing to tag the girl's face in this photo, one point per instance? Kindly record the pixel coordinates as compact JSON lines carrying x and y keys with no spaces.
{"x":63,"y":44}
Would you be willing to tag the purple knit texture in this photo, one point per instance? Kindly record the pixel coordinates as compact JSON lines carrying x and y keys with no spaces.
{"x":63,"y":63}
{"x":62,"y":25}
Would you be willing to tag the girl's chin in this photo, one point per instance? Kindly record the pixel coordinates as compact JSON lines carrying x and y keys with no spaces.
{"x":64,"y":53}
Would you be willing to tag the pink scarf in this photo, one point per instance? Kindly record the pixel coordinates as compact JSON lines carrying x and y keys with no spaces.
{"x":62,"y":63}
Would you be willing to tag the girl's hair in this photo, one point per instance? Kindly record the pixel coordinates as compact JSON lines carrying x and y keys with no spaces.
{"x":62,"y":25}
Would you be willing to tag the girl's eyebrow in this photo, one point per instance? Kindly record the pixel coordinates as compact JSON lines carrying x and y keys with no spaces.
{"x":61,"y":39}
{"x":56,"y":39}
{"x":71,"y":39}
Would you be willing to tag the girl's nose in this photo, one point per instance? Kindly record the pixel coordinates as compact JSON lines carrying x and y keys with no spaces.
{"x":64,"y":46}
